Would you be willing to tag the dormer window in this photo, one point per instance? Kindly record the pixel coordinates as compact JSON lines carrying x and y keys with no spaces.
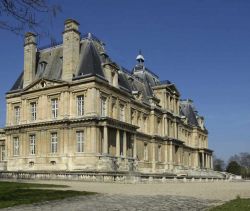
{"x":42,"y":66}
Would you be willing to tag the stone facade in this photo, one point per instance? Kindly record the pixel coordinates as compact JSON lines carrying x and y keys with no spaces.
{"x":2,"y":150}
{"x":74,"y":109}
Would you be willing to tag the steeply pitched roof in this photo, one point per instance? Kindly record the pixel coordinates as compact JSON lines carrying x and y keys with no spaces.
{"x":187,"y":109}
{"x":92,"y":57}
{"x":90,"y":62}
{"x":18,"y":83}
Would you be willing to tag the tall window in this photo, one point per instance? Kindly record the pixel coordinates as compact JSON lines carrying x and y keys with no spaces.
{"x":80,"y":141}
{"x":159,"y":153}
{"x":16,"y":146}
{"x":17,"y":114}
{"x":103,"y":106}
{"x":33,"y":111}
{"x":80,"y":105}
{"x":145,"y":151}
{"x":32,"y":144}
{"x":122,"y":112}
{"x":2,"y":153}
{"x":54,"y":142}
{"x":54,"y":108}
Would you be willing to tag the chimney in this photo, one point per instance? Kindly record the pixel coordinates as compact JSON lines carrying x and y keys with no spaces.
{"x":71,"y":49}
{"x":29,"y":58}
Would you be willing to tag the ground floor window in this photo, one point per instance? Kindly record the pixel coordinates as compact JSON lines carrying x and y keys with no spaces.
{"x":145,"y":151}
{"x":32,"y":144}
{"x":16,"y":146}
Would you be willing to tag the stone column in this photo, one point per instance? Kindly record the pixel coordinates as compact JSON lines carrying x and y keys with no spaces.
{"x":203,"y":158}
{"x":153,"y":157}
{"x":105,"y":140}
{"x":167,"y":129}
{"x":117,"y":142}
{"x":124,"y":144}
{"x":135,"y":148}
{"x":166,"y":156}
{"x":94,"y":139}
{"x":171,"y":155}
{"x":211,"y":164}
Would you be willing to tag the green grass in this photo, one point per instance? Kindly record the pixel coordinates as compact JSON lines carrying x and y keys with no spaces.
{"x":234,"y":205}
{"x":15,"y":193}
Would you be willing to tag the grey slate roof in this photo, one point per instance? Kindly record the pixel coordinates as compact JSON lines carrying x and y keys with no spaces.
{"x":187,"y":109}
{"x":140,"y":80}
{"x":90,"y":61}
{"x":18,"y":83}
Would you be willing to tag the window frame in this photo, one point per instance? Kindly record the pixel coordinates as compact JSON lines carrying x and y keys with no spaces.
{"x":104,"y":108}
{"x":54,"y":143}
{"x":32,"y":144}
{"x":33,"y":111}
{"x":54,"y":108}
{"x":145,"y":152}
{"x":80,"y":141}
{"x":17,"y":114}
{"x":122,"y":113}
{"x":159,"y":149}
{"x":80,"y":109}
{"x":16,"y":146}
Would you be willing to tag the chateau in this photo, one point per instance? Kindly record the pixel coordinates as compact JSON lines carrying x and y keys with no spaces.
{"x":74,"y":109}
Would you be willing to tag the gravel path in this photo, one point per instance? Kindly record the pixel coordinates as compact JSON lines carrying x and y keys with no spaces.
{"x":107,"y":202}
{"x":167,"y":196}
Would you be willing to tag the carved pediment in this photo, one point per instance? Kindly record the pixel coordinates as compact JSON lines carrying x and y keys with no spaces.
{"x":42,"y":84}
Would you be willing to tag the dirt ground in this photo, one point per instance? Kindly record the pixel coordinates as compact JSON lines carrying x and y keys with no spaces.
{"x":217,"y":190}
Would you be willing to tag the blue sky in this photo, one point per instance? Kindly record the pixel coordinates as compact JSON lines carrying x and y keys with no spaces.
{"x":203,"y":46}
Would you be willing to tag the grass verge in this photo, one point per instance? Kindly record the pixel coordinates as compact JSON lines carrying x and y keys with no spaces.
{"x":15,"y":193}
{"x":233,"y":205}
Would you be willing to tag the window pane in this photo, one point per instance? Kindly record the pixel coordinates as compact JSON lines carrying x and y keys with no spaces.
{"x":32,"y":145}
{"x":80,"y":141}
{"x":80,"y":105}
{"x":17,"y":114}
{"x":54,"y":143}
{"x":122,"y":112}
{"x":103,"y":106}
{"x":33,"y":111}
{"x":16,"y":146}
{"x":54,"y":108}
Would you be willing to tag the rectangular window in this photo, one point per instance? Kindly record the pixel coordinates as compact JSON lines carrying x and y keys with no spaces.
{"x":54,"y":108}
{"x":103,"y":106}
{"x":80,"y":105}
{"x":16,"y":146}
{"x":159,"y":153}
{"x":80,"y":141}
{"x":122,"y":112}
{"x":3,"y":153}
{"x":32,"y":144}
{"x":33,"y":111}
{"x":54,"y":142}
{"x":17,"y":114}
{"x":145,"y":151}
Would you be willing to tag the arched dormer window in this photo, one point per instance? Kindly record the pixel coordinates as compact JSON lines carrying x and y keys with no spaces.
{"x":42,"y":66}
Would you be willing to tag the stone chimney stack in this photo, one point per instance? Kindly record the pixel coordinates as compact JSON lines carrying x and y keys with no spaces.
{"x":30,"y":49}
{"x":71,"y":49}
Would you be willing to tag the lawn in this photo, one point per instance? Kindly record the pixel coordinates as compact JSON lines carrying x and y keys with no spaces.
{"x":234,"y":205}
{"x":15,"y":193}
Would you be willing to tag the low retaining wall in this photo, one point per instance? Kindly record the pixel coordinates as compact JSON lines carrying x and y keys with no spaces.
{"x":111,"y":177}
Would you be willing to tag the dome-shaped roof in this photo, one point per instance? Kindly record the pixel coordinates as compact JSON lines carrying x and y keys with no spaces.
{"x":140,"y":58}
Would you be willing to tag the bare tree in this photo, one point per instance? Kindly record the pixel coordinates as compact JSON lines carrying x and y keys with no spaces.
{"x":219,"y":164}
{"x":244,"y":160}
{"x":19,"y":16}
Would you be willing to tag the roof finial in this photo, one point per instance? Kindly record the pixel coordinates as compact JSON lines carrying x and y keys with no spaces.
{"x":89,"y":35}
{"x":140,"y":59}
